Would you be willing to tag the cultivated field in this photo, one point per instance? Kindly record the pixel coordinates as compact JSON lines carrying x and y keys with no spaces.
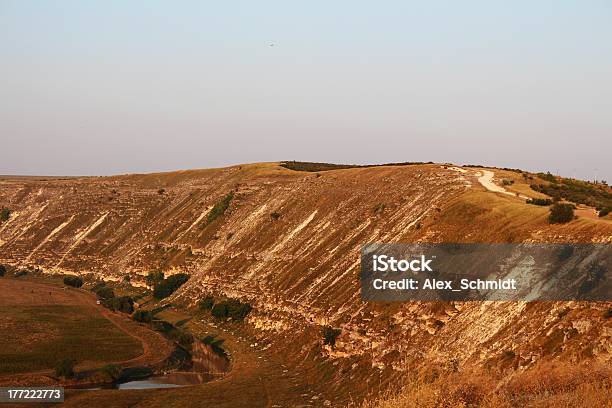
{"x":42,"y":324}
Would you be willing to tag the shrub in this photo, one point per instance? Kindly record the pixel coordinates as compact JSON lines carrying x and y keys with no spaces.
{"x":2,"y":270}
{"x":604,"y":211}
{"x":112,"y":372}
{"x":124,"y":304}
{"x":316,"y":167}
{"x":206,"y":303}
{"x":65,"y":368}
{"x":5,"y":213}
{"x":379,"y":208}
{"x":103,"y":292}
{"x":74,"y":281}
{"x":540,"y":201}
{"x":607,"y":314}
{"x":143,"y":316}
{"x":168,"y":286}
{"x":231,"y":308}
{"x":20,"y":273}
{"x":219,"y":208}
{"x":506,"y":182}
{"x":330,"y":334}
{"x":215,"y":344}
{"x":275,"y":215}
{"x":154,"y":277}
{"x":561,"y":213}
{"x":219,"y":310}
{"x":161,"y":191}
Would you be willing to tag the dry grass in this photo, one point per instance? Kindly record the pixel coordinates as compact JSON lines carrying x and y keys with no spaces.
{"x":549,"y":385}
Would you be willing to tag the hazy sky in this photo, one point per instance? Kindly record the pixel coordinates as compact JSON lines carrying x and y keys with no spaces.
{"x":105,"y":87}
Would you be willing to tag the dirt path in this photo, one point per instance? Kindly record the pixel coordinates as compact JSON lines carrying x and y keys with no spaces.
{"x":26,"y":292}
{"x":486,"y":179}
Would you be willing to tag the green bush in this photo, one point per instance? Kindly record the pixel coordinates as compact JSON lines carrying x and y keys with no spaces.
{"x":206,"y":303}
{"x":74,"y":281}
{"x":330,"y":334}
{"x":143,"y":316}
{"x":540,"y":201}
{"x":168,"y":286}
{"x":5,"y":213}
{"x":65,"y":368}
{"x":561,"y":213}
{"x":219,"y":208}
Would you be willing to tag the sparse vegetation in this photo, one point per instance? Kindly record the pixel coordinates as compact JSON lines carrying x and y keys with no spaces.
{"x":316,"y":167}
{"x":73,"y":280}
{"x":540,"y":201}
{"x":549,"y":385}
{"x":330,"y":334}
{"x":219,"y":208}
{"x":168,"y":286}
{"x":577,"y":191}
{"x":65,"y":368}
{"x":506,"y":182}
{"x":5,"y":214}
{"x":561,"y":213}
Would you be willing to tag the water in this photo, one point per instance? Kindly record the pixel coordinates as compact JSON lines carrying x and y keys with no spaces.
{"x":171,"y":380}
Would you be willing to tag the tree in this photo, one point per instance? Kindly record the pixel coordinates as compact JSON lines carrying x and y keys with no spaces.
{"x":561,"y":213}
{"x":168,"y":286}
{"x":206,"y":303}
{"x":143,"y":316}
{"x":104,"y":292}
{"x":65,"y":368}
{"x":154,"y":277}
{"x":74,"y":281}
{"x":330,"y":334}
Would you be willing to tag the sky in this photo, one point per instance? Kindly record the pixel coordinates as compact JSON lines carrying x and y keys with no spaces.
{"x":110,"y":87}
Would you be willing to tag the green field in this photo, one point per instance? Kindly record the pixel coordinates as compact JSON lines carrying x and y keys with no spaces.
{"x":36,"y":338}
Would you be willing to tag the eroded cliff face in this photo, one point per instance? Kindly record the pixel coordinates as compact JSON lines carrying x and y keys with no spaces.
{"x":289,"y":243}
